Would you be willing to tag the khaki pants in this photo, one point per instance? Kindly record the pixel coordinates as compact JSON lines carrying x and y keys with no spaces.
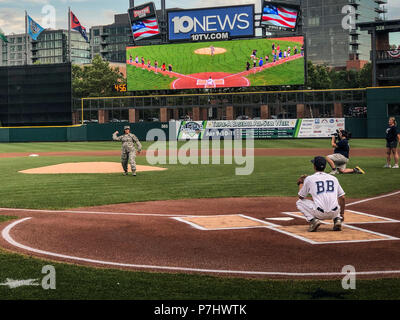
{"x":339,"y":160}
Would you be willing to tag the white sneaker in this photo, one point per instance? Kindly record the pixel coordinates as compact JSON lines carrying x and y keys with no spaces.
{"x":387,"y":166}
{"x":333,"y":172}
{"x":396,"y":166}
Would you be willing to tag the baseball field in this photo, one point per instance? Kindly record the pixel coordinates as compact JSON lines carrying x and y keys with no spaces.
{"x":194,"y":231}
{"x":224,"y":61}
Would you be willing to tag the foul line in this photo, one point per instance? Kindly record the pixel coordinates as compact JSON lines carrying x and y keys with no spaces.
{"x":6,"y":236}
{"x":375,"y":198}
{"x":95,"y":212}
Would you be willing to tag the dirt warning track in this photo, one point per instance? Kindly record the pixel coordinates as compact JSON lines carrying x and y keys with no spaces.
{"x":246,"y":237}
{"x":266,"y":152}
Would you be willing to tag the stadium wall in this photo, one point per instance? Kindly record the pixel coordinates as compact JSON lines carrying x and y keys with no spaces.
{"x":103,"y":132}
{"x":90,"y":132}
{"x":378,"y":100}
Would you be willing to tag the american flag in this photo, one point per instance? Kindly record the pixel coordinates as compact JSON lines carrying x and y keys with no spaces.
{"x":279,"y":16}
{"x":145,"y":28}
{"x":394,"y":53}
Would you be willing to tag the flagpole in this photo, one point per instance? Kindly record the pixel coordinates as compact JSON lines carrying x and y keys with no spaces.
{"x":26,"y":38}
{"x":69,"y":36}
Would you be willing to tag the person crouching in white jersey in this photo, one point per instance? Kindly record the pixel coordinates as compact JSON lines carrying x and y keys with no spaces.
{"x":328,"y":198}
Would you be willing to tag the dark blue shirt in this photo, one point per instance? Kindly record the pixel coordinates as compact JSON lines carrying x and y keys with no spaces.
{"x":343,"y":148}
{"x":391,"y":134}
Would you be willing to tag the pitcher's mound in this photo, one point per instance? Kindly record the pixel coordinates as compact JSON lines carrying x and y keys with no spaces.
{"x":207,"y":51}
{"x":87,"y":167}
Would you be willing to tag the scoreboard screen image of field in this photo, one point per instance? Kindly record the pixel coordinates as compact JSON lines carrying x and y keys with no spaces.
{"x":216,"y":64}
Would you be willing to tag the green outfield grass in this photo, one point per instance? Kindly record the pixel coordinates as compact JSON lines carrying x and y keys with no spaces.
{"x":212,"y":181}
{"x":109,"y":145}
{"x":71,"y":191}
{"x":185,"y":61}
{"x":293,"y":72}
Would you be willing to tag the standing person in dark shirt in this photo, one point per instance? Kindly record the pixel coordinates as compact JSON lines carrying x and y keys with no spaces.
{"x":339,"y":159}
{"x":392,"y":141}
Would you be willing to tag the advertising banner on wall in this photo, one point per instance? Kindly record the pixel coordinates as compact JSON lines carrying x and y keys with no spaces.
{"x":259,"y":129}
{"x":209,"y":24}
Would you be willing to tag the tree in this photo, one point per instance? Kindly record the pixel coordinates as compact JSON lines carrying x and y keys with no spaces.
{"x":318,"y":76}
{"x":323,"y":77}
{"x":366,"y":76}
{"x":95,"y":80}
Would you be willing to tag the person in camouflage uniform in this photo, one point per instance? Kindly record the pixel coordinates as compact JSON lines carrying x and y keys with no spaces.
{"x":129,"y":140}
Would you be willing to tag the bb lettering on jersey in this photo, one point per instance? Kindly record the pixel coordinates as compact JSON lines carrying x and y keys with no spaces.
{"x":325,"y":186}
{"x":324,"y":189}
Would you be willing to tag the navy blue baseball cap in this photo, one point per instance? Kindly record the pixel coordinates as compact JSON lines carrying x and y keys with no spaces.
{"x":319,"y":163}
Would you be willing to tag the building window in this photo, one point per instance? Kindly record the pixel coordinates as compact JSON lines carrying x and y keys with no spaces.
{"x":313,"y":22}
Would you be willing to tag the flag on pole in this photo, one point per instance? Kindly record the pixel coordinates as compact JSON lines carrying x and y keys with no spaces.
{"x":3,"y":36}
{"x":34,"y":29}
{"x":279,"y":16}
{"x":145,"y":28}
{"x":76,"y":25}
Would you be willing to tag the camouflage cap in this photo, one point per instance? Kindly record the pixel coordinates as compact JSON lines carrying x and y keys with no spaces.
{"x":127,"y":127}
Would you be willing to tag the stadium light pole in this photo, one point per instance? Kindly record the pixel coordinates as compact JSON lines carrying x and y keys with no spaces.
{"x":26,"y":38}
{"x":164,"y":22}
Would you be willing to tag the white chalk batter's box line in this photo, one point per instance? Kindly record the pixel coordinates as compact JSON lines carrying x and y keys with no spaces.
{"x":386,"y":220}
{"x":201,"y":82}
{"x":198,"y":227}
{"x":386,"y":237}
{"x":276,"y":227}
{"x":350,"y":226}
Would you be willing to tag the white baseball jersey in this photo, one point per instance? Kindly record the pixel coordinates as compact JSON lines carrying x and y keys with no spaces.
{"x":324,"y":189}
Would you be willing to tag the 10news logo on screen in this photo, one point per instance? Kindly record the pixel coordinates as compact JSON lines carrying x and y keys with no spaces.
{"x":220,"y":23}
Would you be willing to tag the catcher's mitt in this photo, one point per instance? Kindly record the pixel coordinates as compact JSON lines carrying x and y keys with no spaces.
{"x":301,"y":179}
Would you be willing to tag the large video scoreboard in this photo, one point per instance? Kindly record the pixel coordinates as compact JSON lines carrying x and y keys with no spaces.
{"x":35,"y":95}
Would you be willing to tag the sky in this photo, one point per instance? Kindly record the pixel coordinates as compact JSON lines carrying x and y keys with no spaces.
{"x":101,"y":12}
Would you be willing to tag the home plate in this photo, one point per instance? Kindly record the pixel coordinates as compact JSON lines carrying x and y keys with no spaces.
{"x":280,"y":219}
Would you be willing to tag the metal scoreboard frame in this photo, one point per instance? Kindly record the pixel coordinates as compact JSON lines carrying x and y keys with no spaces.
{"x":146,"y":15}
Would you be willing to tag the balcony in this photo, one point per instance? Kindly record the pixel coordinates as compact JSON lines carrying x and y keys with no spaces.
{"x":354,"y":32}
{"x":354,"y":3}
{"x":388,"y":74}
{"x":388,"y":56}
{"x":381,"y":10}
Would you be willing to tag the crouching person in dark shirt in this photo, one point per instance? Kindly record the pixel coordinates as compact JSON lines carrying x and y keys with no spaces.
{"x":339,"y":159}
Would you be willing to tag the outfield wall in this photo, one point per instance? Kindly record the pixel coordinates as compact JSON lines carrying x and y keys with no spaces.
{"x":90,"y":132}
{"x":103,"y":132}
{"x":378,"y":100}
